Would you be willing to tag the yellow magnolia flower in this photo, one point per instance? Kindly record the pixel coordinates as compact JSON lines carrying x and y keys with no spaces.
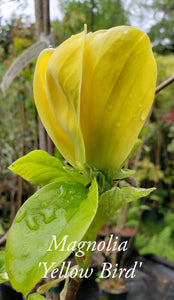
{"x":94,"y":92}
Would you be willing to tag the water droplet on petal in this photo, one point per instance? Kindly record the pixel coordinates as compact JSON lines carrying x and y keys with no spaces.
{"x":118,"y":124}
{"x":124,"y":30}
{"x":143,"y":116}
{"x":48,"y":214}
{"x":130,"y":95}
{"x":31,"y":222}
{"x":20,"y":215}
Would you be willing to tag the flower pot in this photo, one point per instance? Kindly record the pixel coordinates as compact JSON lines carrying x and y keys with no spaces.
{"x":127,"y":234}
{"x":125,"y":240}
{"x":89,"y":289}
{"x":116,"y":295}
{"x":103,"y":232}
{"x":118,"y":291}
{"x":7,"y":293}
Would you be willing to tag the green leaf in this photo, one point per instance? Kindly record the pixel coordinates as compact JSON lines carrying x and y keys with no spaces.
{"x":35,"y":296}
{"x":123,"y":173}
{"x":41,"y":168}
{"x":110,"y":202}
{"x":3,"y":274}
{"x":60,"y":209}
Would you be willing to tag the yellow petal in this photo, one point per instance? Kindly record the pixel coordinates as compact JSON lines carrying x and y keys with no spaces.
{"x":63,"y":86}
{"x":60,"y":139}
{"x":119,"y":76}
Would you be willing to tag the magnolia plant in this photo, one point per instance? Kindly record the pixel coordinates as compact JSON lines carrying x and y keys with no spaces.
{"x":93,"y":94}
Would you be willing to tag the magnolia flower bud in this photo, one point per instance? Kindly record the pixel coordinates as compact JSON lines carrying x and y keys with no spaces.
{"x":94,"y":92}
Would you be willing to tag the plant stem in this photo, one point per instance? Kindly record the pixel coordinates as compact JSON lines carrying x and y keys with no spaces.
{"x":4,"y":237}
{"x":79,"y":260}
{"x":164,"y":84}
{"x":73,"y":288}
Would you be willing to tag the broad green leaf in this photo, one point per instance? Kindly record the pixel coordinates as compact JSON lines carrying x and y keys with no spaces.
{"x":111,"y":201}
{"x":3,"y":274}
{"x":35,"y":296}
{"x":123,"y":173}
{"x":41,"y":168}
{"x":60,"y":209}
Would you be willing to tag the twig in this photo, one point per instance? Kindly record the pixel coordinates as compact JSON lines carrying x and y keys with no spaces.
{"x":19,"y":194}
{"x":22,"y":128}
{"x":73,"y":288}
{"x":164,"y":84}
{"x":12,"y":206}
{"x":123,"y":258}
{"x":4,"y":237}
{"x":126,"y":208}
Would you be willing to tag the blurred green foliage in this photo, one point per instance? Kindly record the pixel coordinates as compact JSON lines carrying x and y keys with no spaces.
{"x":97,"y":14}
{"x":17,"y":116}
{"x":161,"y":33}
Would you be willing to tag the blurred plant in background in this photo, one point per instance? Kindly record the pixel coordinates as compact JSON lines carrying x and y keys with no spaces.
{"x":96,"y":14}
{"x":17,"y":114}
